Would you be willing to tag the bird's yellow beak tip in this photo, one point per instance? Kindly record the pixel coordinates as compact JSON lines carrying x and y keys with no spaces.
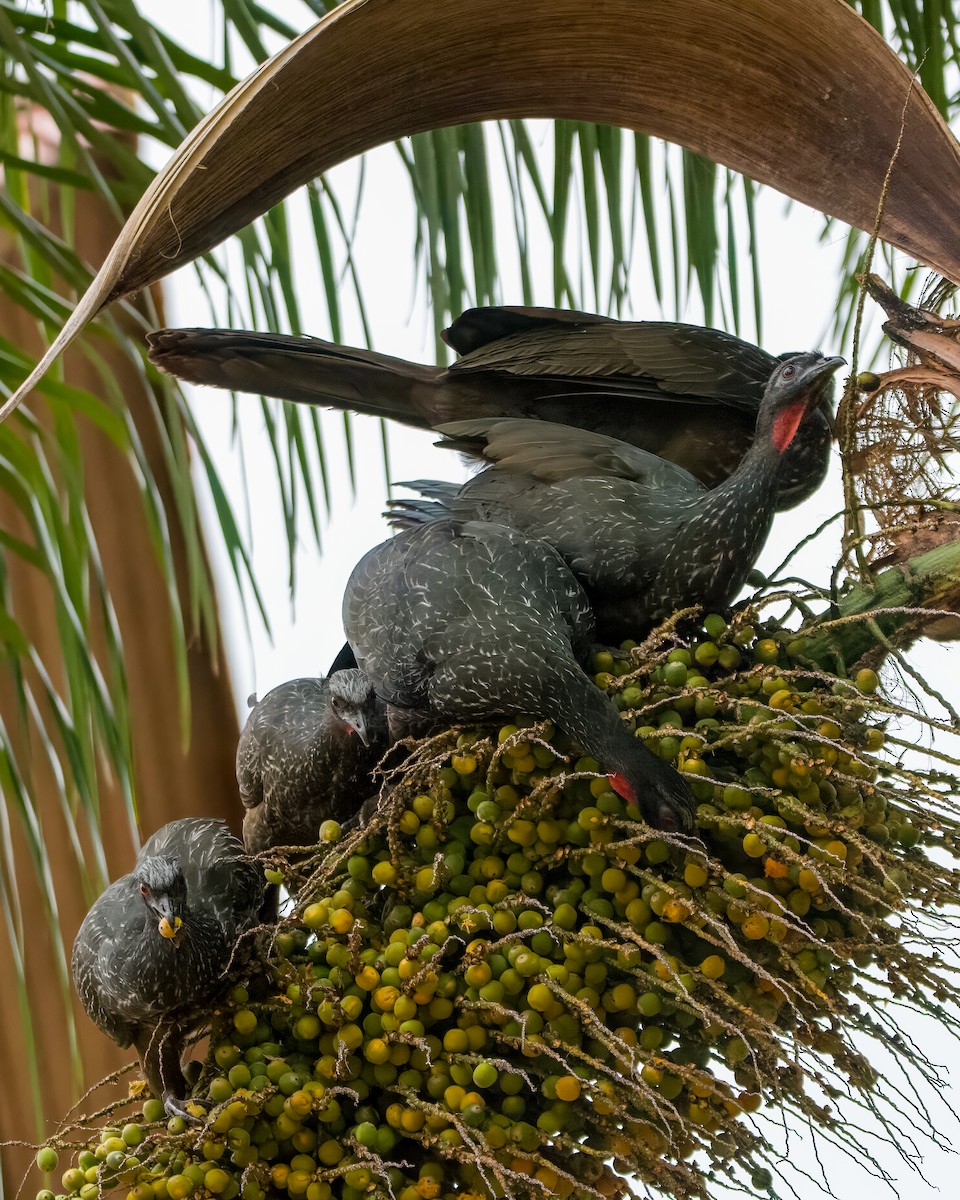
{"x":167,"y":930}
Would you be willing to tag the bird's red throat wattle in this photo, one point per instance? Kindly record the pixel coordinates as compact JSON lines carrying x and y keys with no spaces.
{"x":786,"y":423}
{"x":621,"y":786}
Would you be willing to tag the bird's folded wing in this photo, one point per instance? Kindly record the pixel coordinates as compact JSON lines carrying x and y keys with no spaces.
{"x":660,"y":359}
{"x":478,"y":327}
{"x":551,"y":453}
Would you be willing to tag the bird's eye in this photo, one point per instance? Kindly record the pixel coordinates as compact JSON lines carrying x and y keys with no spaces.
{"x":788,"y":371}
{"x":144,"y":890}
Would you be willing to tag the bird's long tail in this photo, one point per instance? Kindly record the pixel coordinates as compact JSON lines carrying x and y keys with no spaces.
{"x":303,"y":369}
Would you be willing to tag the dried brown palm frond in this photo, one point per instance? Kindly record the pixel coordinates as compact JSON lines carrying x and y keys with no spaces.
{"x":738,"y":83}
{"x":908,"y":433}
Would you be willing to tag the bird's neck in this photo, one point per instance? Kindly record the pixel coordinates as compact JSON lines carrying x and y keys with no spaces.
{"x":755,"y":476}
{"x":585,"y":712}
{"x":590,"y":717}
{"x":721,"y":534}
{"x":748,"y":493}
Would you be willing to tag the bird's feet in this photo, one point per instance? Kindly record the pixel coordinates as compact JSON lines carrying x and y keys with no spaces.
{"x":607,"y":653}
{"x":175,"y":1107}
{"x":361,"y":818}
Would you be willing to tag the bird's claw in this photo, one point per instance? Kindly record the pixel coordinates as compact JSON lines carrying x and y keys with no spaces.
{"x":175,"y":1107}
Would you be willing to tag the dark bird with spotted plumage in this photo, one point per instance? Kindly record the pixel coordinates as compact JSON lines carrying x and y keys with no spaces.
{"x":154,"y":948}
{"x":688,"y":394}
{"x":306,"y":754}
{"x":641,"y":534}
{"x":474,"y":622}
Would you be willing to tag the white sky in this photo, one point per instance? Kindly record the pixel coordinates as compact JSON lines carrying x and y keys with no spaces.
{"x":799,"y":273}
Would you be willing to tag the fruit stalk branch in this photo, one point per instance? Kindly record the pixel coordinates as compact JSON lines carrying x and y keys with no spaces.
{"x":896,"y":608}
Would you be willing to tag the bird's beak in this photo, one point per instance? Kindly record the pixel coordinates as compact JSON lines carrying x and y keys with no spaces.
{"x":359,"y":727}
{"x":816,"y":379}
{"x":170,"y":930}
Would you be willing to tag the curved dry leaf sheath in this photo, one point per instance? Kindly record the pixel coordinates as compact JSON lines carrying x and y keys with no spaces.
{"x":803,"y":95}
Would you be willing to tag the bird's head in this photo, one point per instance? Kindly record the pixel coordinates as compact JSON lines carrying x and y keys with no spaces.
{"x":164,"y":892}
{"x":798,"y":385}
{"x":660,"y":792}
{"x":355,"y":704}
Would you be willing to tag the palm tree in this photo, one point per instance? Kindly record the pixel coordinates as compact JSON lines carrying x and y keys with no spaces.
{"x":116,"y":707}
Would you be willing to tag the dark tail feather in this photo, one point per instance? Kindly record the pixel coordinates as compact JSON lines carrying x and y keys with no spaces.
{"x":411,"y":514}
{"x":432,"y":489}
{"x":437,"y":502}
{"x":305,"y":370}
{"x":346,"y":660}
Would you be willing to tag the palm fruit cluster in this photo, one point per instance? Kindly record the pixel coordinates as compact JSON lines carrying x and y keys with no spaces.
{"x":508,"y":985}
